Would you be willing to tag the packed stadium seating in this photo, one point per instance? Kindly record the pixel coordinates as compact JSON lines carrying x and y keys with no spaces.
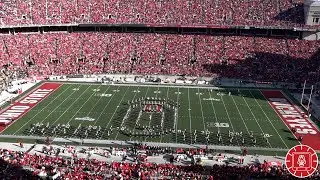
{"x":238,"y":12}
{"x":258,"y":58}
{"x":11,"y":163}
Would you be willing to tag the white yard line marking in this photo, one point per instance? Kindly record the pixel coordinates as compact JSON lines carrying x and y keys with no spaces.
{"x":152,"y":113}
{"x":227,"y":114}
{"x":255,"y":118}
{"x":189,"y":113}
{"x":117,"y":108}
{"x":71,"y":105}
{"x":268,"y":117}
{"x":123,"y":121}
{"x":240,"y":114}
{"x":137,"y":120}
{"x":176,"y":122}
{"x":215,"y":115}
{"x":27,"y":123}
{"x":204,"y":126}
{"x":105,"y":107}
{"x":95,"y":106}
{"x":162,"y":126}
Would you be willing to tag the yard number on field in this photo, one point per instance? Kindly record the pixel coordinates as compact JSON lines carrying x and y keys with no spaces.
{"x":116,"y":90}
{"x":75,"y":89}
{"x":157,"y":92}
{"x":95,"y":90}
{"x":267,"y":135}
{"x":212,"y":124}
{"x":136,"y":91}
{"x":221,"y":94}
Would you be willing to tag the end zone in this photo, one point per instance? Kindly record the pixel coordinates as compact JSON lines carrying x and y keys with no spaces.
{"x":20,"y":107}
{"x":293,"y":118}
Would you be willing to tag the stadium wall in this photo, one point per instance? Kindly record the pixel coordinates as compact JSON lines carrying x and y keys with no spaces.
{"x":143,"y":28}
{"x":311,"y":35}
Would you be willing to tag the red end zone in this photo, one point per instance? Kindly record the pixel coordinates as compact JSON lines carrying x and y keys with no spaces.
{"x":20,"y":107}
{"x":293,"y":118}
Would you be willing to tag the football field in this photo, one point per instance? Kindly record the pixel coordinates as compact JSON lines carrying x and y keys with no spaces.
{"x":152,"y":113}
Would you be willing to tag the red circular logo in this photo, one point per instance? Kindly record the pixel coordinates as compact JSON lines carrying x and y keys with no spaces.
{"x":301,"y":161}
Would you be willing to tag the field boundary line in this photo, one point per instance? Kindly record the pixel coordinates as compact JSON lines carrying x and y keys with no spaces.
{"x":255,"y":119}
{"x":41,"y":110}
{"x":269,"y":119}
{"x":32,"y":89}
{"x":195,"y":86}
{"x":298,"y":108}
{"x":58,"y":106}
{"x":36,"y":88}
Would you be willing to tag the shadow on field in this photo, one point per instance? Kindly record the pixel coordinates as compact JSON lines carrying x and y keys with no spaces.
{"x":291,"y":139}
{"x":286,"y":130}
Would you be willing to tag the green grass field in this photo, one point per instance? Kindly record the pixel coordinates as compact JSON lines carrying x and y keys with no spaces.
{"x":164,"y":114}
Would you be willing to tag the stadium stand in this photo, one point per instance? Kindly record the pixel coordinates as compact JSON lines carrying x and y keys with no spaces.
{"x":258,"y":58}
{"x":57,"y":162}
{"x":283,"y":13}
{"x":276,"y":59}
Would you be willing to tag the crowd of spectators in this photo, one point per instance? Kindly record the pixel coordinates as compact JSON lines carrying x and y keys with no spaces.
{"x":25,"y":165}
{"x":257,"y":58}
{"x":237,"y":12}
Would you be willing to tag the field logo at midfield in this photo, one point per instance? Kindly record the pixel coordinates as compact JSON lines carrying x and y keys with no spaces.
{"x":301,"y":161}
{"x":85,"y":119}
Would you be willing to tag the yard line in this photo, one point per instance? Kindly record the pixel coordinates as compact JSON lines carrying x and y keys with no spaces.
{"x":255,"y":119}
{"x":162,"y":125}
{"x":123,"y":119}
{"x":95,"y":106}
{"x":80,"y":107}
{"x":240,"y":114}
{"x":42,"y":110}
{"x":137,"y":120}
{"x":145,"y":139}
{"x":227,"y":113}
{"x":72,"y":105}
{"x":105,"y":107}
{"x":204,"y":126}
{"x":215,"y":115}
{"x":190,"y":116}
{"x":176,"y":123}
{"x":116,"y":110}
{"x":189,"y":112}
{"x":268,"y":117}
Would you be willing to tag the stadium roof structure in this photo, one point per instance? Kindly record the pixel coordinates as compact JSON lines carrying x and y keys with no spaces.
{"x":312,"y":2}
